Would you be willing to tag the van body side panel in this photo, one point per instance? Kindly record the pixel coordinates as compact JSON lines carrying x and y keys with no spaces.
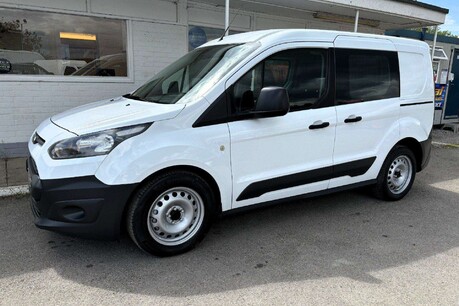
{"x":168,"y":144}
{"x":412,"y":127}
{"x":374,"y":136}
{"x":274,"y":149}
{"x":413,"y":81}
{"x":274,"y":158}
{"x":416,"y":71}
{"x":417,"y":92}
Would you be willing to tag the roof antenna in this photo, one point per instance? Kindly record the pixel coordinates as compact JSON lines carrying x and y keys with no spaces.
{"x":227,"y":29}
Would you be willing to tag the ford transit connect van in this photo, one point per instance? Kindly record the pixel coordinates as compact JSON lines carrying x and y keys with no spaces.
{"x":247,"y":119}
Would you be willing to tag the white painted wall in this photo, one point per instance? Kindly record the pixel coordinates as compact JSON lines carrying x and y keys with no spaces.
{"x":155,"y":44}
{"x":392,"y":7}
{"x":157,"y":35}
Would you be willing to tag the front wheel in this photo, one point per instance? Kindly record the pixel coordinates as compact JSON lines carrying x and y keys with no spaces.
{"x":171,"y":213}
{"x":396,"y":175}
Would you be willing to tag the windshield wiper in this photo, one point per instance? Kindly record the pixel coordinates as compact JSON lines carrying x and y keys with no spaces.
{"x":133,"y":97}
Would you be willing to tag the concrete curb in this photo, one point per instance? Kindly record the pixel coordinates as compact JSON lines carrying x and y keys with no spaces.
{"x":14,"y":191}
{"x":442,"y":144}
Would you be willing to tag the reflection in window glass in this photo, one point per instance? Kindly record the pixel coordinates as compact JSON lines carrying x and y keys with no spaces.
{"x":365,"y":75}
{"x":303,"y":72}
{"x":176,"y":80}
{"x":42,"y":43}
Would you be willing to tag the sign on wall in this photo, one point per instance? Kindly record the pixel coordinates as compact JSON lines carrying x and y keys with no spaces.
{"x":196,"y":36}
{"x":440,"y":94}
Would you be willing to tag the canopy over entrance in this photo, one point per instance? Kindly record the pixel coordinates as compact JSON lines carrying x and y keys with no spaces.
{"x":381,"y":14}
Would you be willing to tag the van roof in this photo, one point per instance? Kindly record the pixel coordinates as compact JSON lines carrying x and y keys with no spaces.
{"x":269,"y":37}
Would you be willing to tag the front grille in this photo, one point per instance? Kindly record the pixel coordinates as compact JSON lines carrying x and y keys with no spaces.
{"x":37,"y":139}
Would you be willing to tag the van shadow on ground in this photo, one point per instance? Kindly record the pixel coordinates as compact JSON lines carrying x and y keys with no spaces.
{"x":343,"y":235}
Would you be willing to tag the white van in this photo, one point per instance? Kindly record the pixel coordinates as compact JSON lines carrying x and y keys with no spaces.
{"x":247,"y":119}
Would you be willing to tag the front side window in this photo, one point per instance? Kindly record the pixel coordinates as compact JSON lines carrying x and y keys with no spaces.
{"x":366,"y":75}
{"x":42,"y":43}
{"x":303,"y":72}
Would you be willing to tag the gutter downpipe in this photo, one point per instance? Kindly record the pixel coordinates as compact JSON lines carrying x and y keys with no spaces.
{"x":434,"y":42}
{"x":356,"y":24}
{"x":226,"y":17}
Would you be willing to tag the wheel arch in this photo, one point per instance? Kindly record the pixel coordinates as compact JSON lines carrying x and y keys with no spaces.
{"x":193,"y":169}
{"x":415,"y":147}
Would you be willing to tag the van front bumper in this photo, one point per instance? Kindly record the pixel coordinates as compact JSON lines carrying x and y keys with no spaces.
{"x":80,"y":206}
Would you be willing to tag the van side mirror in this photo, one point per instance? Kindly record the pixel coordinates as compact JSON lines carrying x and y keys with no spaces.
{"x":5,"y":65}
{"x":272,"y":102}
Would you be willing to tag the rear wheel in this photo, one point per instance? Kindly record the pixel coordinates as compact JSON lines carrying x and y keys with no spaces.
{"x":397,"y":174}
{"x":171,"y":213}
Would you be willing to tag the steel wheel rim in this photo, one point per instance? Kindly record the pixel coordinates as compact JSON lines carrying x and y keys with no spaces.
{"x":175,"y":216}
{"x":399,"y":174}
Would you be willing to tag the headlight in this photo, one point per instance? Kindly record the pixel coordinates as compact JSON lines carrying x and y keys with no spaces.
{"x":94,"y":144}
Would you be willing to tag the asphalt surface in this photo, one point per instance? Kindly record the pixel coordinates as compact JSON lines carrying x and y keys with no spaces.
{"x":346,"y":248}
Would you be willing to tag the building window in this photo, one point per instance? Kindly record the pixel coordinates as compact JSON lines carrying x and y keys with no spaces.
{"x":366,"y":75}
{"x":42,"y":43}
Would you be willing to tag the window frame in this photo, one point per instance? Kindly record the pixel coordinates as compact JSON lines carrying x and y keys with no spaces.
{"x":79,"y":79}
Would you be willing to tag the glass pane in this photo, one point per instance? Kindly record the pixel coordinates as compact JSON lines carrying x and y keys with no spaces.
{"x":308,"y":78}
{"x":365,"y":75}
{"x":276,"y":72}
{"x":301,"y":71}
{"x":192,"y":74}
{"x":42,"y":43}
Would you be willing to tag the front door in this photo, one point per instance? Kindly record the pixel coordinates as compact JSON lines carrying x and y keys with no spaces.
{"x":289,"y":155}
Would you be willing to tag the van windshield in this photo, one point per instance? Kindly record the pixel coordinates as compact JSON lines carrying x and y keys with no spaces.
{"x":172,"y":83}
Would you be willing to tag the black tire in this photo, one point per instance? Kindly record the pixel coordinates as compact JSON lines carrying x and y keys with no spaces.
{"x":171,"y":213}
{"x":397,"y":174}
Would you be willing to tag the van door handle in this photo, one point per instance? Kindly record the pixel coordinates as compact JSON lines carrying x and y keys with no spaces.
{"x":352,"y":118}
{"x":319,"y":125}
